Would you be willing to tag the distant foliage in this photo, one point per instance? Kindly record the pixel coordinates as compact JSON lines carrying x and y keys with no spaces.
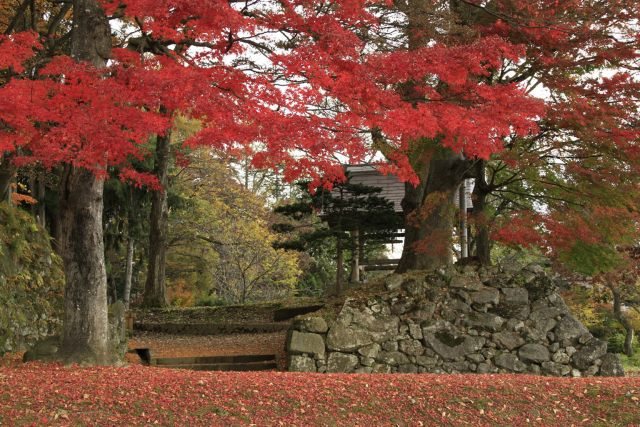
{"x":220,"y":246}
{"x":31,"y":281}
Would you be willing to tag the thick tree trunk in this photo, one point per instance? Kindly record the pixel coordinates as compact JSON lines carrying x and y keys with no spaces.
{"x":155,"y":287}
{"x":429,"y":207}
{"x":85,"y":331}
{"x":626,"y":323}
{"x":429,"y":213}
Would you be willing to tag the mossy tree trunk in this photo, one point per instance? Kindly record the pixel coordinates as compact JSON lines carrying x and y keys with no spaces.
{"x":429,"y":212}
{"x":85,"y":323}
{"x":624,"y":320}
{"x":155,"y":294}
{"x":85,"y":329}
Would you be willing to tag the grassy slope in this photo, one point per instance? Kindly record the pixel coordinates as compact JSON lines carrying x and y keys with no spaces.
{"x":49,"y":394}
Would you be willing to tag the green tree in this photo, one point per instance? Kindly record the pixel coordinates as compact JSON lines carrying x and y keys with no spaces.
{"x":352,"y":214}
{"x":219,"y":239}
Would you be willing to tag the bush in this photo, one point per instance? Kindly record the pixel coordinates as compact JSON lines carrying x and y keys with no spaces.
{"x":631,"y":363}
{"x":208,"y":301}
{"x":615,"y":343}
{"x":31,"y":281}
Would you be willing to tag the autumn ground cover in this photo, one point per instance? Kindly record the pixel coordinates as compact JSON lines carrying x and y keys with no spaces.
{"x":52,"y":394}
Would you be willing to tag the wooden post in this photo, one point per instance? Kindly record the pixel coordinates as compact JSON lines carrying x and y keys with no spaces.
{"x":129,"y":318}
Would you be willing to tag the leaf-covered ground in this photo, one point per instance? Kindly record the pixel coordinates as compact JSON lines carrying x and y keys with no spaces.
{"x":51,"y":394}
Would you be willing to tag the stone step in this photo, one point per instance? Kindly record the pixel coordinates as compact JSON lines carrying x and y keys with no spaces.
{"x":211,"y":328}
{"x":288,"y":313}
{"x":199,"y":360}
{"x":238,"y":367}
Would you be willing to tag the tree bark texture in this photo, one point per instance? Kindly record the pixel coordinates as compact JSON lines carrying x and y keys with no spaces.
{"x":155,"y":294}
{"x":7,"y":176}
{"x":624,"y":320}
{"x":85,"y":336}
{"x":128,"y":272}
{"x":85,"y":328}
{"x":429,"y":213}
{"x":428,"y":208}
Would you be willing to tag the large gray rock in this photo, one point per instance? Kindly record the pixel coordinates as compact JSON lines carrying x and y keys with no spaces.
{"x":486,"y":321}
{"x":561,"y":356}
{"x":299,"y":363}
{"x":44,"y":349}
{"x":453,"y":309}
{"x":469,"y":282}
{"x":515,"y":296}
{"x":544,"y":314}
{"x":556,"y":369}
{"x":534,"y":353}
{"x":485,"y":296}
{"x":367,"y":361}
{"x":427,"y":361}
{"x":611,"y":366}
{"x":415,"y":331}
{"x":510,"y":362}
{"x":381,"y":368}
{"x":456,"y":367}
{"x":568,"y":328}
{"x":343,"y":338}
{"x":544,"y":325}
{"x":392,"y":358}
{"x":370,"y":351}
{"x":315,"y":324}
{"x":411,"y":347}
{"x":393,"y":281}
{"x":382,"y":327}
{"x":485,"y":368}
{"x":309,"y":343}
{"x":450,"y":347}
{"x":413,"y":288}
{"x":402,"y":306}
{"x":424,"y":311}
{"x":508,"y":340}
{"x":589,"y":353}
{"x":541,"y":287}
{"x":408,"y":368}
{"x":341,"y":362}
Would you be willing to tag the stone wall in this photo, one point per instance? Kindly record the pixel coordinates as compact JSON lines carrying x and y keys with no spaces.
{"x":464,"y":319}
{"x":31,"y":281}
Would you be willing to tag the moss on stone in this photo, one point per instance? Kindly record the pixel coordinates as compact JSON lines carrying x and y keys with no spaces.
{"x":31,"y":281}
